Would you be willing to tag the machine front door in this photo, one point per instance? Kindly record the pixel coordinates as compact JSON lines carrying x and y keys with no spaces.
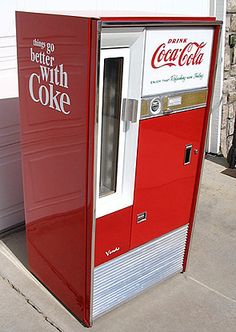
{"x":166,"y":173}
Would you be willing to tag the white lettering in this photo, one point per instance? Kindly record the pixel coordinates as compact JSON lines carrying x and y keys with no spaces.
{"x":66,"y":101}
{"x":46,"y":94}
{"x":41,"y":58}
{"x":63,"y":77}
{"x":53,"y":99}
{"x":43,"y":99}
{"x":31,"y":90}
{"x":112,"y":251}
{"x":44,"y":72}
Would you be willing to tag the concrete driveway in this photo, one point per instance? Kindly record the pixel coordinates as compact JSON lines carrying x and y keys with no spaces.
{"x":202,"y":299}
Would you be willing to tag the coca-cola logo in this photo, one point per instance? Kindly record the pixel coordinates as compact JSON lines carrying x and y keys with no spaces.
{"x":189,"y":55}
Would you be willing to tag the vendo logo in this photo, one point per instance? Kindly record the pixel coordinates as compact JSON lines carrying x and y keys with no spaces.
{"x":191,"y":54}
{"x":112,"y":251}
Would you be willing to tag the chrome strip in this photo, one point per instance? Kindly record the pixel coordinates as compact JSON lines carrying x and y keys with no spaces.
{"x":190,"y":99}
{"x":173,"y":112}
{"x":99,"y":28}
{"x":156,"y":23}
{"x":128,"y":275}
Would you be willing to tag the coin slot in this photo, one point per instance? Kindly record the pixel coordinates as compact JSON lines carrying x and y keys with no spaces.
{"x":141,"y":217}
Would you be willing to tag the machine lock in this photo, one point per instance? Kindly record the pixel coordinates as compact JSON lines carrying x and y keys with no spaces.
{"x":155,"y":106}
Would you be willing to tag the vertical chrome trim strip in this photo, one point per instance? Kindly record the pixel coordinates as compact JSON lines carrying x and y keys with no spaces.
{"x":99,"y":29}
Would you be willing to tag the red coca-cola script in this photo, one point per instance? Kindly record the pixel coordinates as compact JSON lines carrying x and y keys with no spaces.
{"x":191,"y":54}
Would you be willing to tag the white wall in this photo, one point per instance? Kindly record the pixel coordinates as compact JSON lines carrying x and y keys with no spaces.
{"x":214,"y":129}
{"x":8,"y":73}
{"x":11,"y":197}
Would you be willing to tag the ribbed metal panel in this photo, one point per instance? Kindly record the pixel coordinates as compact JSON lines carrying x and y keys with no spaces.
{"x":127,"y":275}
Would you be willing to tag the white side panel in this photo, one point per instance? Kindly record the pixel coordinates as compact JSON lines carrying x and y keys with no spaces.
{"x":213,"y":140}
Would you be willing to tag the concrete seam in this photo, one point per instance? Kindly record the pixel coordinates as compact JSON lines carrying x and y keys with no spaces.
{"x":212,"y":289}
{"x":47,"y":319}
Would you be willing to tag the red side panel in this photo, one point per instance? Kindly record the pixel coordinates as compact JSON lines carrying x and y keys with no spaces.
{"x":164,"y":185}
{"x":112,"y":235}
{"x":56,"y":87}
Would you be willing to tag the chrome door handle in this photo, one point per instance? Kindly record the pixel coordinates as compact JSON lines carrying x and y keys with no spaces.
{"x":129,"y":110}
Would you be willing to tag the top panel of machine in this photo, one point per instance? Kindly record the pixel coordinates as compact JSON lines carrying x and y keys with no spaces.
{"x":128,"y":16}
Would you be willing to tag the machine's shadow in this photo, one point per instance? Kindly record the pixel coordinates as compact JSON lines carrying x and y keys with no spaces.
{"x":16,"y":243}
{"x":223,"y":162}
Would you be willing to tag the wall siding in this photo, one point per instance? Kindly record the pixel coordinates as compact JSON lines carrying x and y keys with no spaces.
{"x":229,"y":84}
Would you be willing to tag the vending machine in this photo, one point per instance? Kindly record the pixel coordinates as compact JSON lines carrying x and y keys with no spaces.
{"x":114,"y":114}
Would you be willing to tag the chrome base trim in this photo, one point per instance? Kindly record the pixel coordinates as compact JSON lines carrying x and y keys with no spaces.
{"x":128,"y":275}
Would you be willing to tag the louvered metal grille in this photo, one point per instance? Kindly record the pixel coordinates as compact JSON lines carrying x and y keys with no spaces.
{"x":128,"y":275}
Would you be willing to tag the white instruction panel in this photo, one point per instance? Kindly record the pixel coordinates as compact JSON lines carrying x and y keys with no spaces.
{"x":176,"y":59}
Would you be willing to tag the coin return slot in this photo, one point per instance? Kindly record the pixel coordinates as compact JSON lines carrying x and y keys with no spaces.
{"x":141,"y":217}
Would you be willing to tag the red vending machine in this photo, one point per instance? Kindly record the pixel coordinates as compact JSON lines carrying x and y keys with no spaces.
{"x":114,"y":114}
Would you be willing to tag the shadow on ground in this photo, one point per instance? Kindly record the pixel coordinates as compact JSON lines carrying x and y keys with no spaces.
{"x":222,"y":162}
{"x":16,"y":242}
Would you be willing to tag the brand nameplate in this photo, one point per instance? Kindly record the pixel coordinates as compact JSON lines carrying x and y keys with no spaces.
{"x":176,"y":59}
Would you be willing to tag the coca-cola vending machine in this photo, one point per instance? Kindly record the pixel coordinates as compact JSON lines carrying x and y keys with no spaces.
{"x":114,"y":114}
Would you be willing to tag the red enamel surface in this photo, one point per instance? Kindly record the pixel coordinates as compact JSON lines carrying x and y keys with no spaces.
{"x":112,"y":232}
{"x":164,"y":185}
{"x":57,"y":158}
